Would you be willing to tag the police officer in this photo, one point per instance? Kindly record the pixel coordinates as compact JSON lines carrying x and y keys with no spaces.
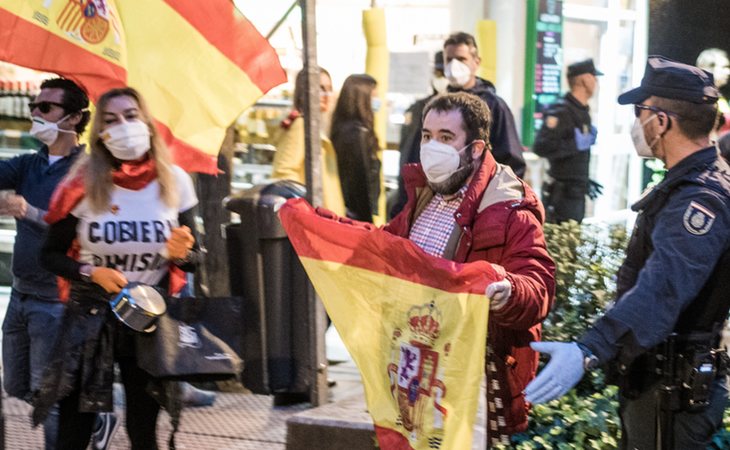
{"x":672,"y":287}
{"x":565,"y":139}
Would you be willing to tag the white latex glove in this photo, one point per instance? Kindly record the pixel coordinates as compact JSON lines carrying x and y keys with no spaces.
{"x":498,"y":293}
{"x":564,"y":371}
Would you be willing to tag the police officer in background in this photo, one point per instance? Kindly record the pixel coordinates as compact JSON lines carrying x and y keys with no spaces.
{"x":661,"y":335}
{"x":565,"y":139}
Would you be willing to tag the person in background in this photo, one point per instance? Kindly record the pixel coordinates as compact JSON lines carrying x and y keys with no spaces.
{"x":461,"y":59}
{"x":715,"y":61}
{"x":59,"y":113}
{"x":660,"y":340}
{"x":463,"y":206}
{"x":289,"y":157}
{"x":125,"y":213}
{"x":353,"y":136}
{"x":565,"y":139}
{"x":410,"y":134}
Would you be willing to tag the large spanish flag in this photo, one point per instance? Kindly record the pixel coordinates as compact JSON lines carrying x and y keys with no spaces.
{"x":199,"y":64}
{"x":415,"y":325}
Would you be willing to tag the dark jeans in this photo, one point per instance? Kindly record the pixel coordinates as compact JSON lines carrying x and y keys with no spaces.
{"x":30,"y":330}
{"x":564,"y":201}
{"x":75,"y":428}
{"x":692,"y":430}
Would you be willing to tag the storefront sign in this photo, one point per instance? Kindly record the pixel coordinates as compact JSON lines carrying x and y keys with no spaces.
{"x":543,"y":62}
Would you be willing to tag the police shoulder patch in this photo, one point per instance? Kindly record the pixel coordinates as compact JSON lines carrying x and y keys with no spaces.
{"x":698,"y":219}
{"x":551,"y":121}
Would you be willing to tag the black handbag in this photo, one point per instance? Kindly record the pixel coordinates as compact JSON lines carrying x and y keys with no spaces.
{"x":197,"y":339}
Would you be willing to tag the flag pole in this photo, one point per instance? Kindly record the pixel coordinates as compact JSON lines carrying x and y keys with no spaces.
{"x":317,"y":318}
{"x":282,"y":20}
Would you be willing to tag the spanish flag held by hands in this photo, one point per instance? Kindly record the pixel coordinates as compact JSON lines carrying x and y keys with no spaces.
{"x":199,"y":64}
{"x":415,"y":324}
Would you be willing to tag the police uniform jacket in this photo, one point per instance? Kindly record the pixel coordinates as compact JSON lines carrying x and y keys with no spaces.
{"x":565,"y":121}
{"x":676,"y":266}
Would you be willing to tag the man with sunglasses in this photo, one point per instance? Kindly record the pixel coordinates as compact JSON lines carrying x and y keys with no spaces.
{"x":565,"y":139}
{"x":660,"y":341}
{"x":59,"y":114}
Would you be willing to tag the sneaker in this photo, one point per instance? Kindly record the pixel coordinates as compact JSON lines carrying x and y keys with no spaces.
{"x":104,"y":428}
{"x":192,"y":396}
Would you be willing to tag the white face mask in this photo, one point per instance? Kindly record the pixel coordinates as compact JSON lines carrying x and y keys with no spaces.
{"x":47,"y":132}
{"x":440,"y":84}
{"x":439,"y":160}
{"x":127,"y":141}
{"x":643,"y":149}
{"x":458,"y":73}
{"x":375,"y":104}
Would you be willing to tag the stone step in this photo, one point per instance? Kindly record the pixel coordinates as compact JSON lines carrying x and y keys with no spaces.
{"x":346,"y":424}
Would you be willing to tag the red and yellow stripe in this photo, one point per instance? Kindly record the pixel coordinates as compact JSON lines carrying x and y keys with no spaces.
{"x":26,"y":41}
{"x":205,"y":67}
{"x":369,"y":282}
{"x":199,"y":64}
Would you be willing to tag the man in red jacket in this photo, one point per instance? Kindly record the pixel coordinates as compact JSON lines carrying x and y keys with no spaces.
{"x":463,"y":206}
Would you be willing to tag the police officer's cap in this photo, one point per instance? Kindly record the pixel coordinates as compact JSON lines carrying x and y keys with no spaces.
{"x":670,"y":79}
{"x":582,"y":67}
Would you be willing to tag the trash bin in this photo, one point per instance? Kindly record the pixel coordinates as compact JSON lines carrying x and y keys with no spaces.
{"x":266,"y":273}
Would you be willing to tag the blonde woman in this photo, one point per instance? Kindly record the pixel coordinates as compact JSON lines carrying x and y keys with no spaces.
{"x":289,"y":158}
{"x":124,"y":214}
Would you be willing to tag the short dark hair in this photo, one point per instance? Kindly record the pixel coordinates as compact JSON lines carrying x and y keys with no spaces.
{"x":75,"y":99}
{"x":460,"y":38}
{"x":475,"y":114}
{"x":696,"y":120}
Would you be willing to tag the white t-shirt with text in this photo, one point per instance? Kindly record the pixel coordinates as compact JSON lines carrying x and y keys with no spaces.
{"x":132,"y":234}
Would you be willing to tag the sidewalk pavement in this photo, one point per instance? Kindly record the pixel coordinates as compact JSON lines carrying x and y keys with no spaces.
{"x":236,"y":421}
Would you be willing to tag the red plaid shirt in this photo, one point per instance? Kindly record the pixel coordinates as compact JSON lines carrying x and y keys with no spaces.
{"x":432,"y":228}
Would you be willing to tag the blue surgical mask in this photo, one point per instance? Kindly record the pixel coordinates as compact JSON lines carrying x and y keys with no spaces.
{"x":375,"y":104}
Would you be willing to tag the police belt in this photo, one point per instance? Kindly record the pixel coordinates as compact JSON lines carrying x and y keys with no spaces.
{"x":686,"y":364}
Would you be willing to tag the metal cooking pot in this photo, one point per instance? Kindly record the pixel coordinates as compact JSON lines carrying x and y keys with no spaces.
{"x":138,"y":306}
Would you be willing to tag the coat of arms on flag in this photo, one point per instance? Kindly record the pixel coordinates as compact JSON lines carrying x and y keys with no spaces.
{"x":415,"y":378}
{"x":415,"y":325}
{"x":88,"y":19}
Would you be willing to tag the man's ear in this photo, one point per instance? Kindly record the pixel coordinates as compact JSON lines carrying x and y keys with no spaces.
{"x":75,"y":118}
{"x":478,"y":148}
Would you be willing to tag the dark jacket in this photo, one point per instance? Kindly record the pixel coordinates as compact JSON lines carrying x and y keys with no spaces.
{"x":556,"y":140}
{"x":30,"y":176}
{"x":677,"y":254}
{"x":359,"y":169}
{"x":409,"y":147}
{"x":499,"y":221}
{"x":506,"y":146}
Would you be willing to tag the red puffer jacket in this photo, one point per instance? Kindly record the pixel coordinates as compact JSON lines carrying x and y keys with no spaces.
{"x":500,"y":221}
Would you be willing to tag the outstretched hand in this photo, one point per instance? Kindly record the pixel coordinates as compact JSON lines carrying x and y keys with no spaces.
{"x":562,"y":372}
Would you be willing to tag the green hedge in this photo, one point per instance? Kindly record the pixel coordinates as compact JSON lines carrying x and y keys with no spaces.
{"x":587,"y":259}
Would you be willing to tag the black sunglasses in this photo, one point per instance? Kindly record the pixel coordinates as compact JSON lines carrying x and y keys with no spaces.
{"x":639,"y":107}
{"x":45,"y":107}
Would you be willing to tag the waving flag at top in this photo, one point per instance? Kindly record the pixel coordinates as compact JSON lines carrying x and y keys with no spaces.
{"x":199,"y":64}
{"x":414,"y":324}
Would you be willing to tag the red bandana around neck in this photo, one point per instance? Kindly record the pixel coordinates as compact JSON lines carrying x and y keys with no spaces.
{"x":135,"y":175}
